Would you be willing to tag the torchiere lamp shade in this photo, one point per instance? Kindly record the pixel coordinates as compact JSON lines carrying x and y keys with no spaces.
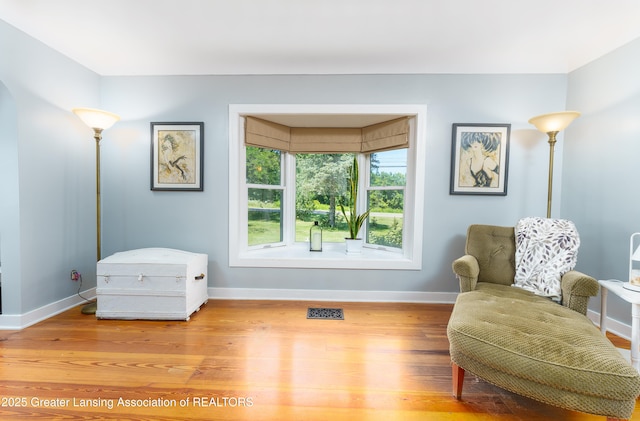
{"x":96,"y":119}
{"x":554,"y":122}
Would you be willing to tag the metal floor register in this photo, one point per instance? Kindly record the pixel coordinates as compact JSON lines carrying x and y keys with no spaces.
{"x":325,"y":313}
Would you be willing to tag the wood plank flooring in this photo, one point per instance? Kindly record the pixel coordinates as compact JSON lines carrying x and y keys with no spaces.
{"x":251,"y":360}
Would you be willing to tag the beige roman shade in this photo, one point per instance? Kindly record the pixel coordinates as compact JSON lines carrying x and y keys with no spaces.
{"x":393,"y":134}
{"x":266,"y":134}
{"x":325,"y":140}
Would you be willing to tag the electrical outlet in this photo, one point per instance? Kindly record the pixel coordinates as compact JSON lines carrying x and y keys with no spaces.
{"x":75,"y":275}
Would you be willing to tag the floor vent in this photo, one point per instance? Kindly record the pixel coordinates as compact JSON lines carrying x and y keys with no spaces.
{"x":325,"y":313}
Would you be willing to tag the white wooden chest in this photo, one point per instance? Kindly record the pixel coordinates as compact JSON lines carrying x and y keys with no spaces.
{"x":151,"y":283}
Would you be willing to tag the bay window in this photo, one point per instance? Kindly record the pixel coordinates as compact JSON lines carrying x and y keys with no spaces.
{"x":289,"y":169}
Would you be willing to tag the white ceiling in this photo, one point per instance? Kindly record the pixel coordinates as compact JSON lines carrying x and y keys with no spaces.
{"x":189,"y":37}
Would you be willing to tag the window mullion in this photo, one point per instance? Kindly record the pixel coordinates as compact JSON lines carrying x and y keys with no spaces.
{"x":289,"y":209}
{"x":243,"y":199}
{"x":264,"y":186}
{"x":383,"y":188}
{"x":364,"y":162}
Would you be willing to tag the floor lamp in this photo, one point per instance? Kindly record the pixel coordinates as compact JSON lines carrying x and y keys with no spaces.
{"x":552,"y":124}
{"x":98,"y":120}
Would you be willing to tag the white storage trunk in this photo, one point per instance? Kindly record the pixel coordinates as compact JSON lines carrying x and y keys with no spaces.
{"x":151,"y":283}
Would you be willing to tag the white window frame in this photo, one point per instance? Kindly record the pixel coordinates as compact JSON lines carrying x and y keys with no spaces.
{"x":333,"y":256}
{"x":283,"y":198}
{"x":368,"y":189}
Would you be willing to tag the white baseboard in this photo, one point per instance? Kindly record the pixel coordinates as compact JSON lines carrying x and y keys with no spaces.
{"x":21,"y":321}
{"x":614,"y":326}
{"x":332,"y":295}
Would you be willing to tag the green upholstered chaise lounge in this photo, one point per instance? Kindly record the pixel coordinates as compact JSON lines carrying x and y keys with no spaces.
{"x":528,"y":344}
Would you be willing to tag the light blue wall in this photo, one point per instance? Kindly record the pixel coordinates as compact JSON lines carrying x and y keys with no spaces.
{"x":9,"y":202}
{"x":55,"y":166}
{"x":136,"y":217}
{"x":601,"y":165}
{"x":51,"y":187}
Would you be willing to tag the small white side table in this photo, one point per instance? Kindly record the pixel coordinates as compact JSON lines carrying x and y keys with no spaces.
{"x":629,"y":296}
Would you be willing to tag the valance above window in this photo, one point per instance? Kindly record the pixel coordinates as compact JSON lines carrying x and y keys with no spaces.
{"x":389,"y":135}
{"x":266,"y":134}
{"x":392,"y":134}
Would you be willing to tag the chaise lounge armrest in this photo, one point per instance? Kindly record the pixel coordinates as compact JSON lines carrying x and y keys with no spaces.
{"x":576,"y":290}
{"x":466,"y":269}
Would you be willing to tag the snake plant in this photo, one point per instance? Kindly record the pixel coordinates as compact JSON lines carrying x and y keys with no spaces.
{"x":354,"y":221}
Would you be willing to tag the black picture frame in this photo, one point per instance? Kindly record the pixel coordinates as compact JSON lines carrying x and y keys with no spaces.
{"x":479,"y":159}
{"x":177,"y":156}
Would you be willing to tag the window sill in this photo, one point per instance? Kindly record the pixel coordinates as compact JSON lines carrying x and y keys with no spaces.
{"x":332,"y":256}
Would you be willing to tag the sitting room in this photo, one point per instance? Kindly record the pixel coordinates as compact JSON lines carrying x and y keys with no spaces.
{"x":265,"y":210}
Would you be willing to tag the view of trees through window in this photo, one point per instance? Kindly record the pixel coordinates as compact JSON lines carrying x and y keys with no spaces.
{"x":385,"y":198}
{"x":321,"y":185}
{"x":264,"y":179}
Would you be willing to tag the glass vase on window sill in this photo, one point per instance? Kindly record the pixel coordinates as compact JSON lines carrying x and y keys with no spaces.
{"x":315,"y":237}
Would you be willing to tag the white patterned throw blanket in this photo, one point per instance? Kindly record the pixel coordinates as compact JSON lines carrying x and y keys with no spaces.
{"x":546,"y":249}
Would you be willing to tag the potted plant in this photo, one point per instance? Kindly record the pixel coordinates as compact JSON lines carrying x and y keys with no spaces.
{"x":354,"y":221}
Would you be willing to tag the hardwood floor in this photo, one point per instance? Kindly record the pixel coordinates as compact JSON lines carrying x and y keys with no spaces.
{"x":251,"y":360}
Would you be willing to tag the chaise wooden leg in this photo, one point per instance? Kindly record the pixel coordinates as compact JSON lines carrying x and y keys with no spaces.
{"x":458,"y":379}
{"x":457,"y":375}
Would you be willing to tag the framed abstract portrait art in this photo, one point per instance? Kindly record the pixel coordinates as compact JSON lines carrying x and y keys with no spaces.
{"x":480,"y":159}
{"x":177,"y":156}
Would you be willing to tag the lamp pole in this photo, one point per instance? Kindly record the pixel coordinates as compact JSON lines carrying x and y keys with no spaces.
{"x":552,"y":124}
{"x":552,"y":143}
{"x":98,"y":136}
{"x":97,"y":120}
